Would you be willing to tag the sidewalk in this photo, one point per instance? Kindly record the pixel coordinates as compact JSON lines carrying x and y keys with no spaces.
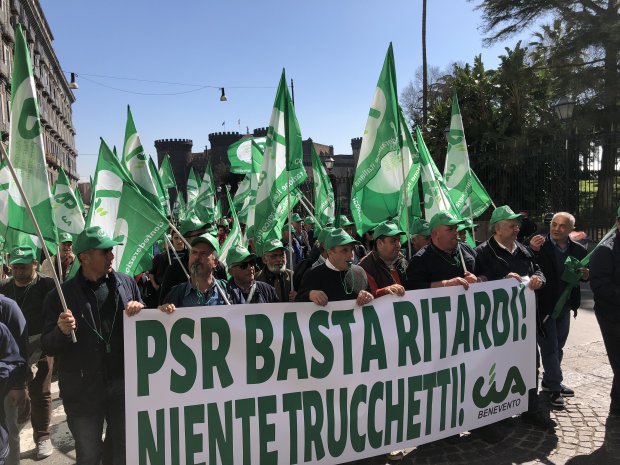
{"x":583,"y":435}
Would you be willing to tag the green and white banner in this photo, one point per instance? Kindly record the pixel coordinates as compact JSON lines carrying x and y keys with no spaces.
{"x":67,"y":213}
{"x":324,"y":204}
{"x":295,"y":383}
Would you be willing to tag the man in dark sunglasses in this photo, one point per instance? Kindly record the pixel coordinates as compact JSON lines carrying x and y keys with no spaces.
{"x":242,"y":286}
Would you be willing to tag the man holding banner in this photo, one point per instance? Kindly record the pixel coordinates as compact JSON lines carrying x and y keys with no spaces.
{"x":502,"y":256}
{"x":202,"y":288}
{"x":337,"y":278}
{"x":445,"y":261}
{"x":91,"y":370}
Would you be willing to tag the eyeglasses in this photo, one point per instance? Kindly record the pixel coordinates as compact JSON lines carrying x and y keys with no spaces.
{"x":245,"y":265}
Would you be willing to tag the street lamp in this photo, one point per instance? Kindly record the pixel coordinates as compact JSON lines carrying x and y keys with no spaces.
{"x":329,"y":164}
{"x":563,"y":108}
{"x":446,"y":133}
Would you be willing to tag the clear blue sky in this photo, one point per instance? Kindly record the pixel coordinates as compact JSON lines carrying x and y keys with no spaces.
{"x":332,"y":49}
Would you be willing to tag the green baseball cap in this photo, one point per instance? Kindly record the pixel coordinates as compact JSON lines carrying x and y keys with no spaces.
{"x":309,"y":220}
{"x":65,"y":237}
{"x":420,"y":227}
{"x":504,"y":213}
{"x":237,"y":255}
{"x":337,"y":237}
{"x":295,"y":217}
{"x":466,"y":225}
{"x":93,"y":237}
{"x":191,"y":224}
{"x":324,"y":233}
{"x":344,"y":221}
{"x":206,"y":238}
{"x":21,"y":255}
{"x":273,"y":244}
{"x":443,"y":218}
{"x":388,"y":229}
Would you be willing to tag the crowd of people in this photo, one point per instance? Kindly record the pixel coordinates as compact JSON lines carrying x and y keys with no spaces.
{"x":79,"y":334}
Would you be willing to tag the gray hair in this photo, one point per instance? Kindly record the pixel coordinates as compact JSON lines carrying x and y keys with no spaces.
{"x":568,"y":216}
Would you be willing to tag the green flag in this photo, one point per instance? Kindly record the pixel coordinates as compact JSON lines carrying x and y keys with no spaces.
{"x":436,"y":195}
{"x":217,"y":215}
{"x":281,"y":170}
{"x":78,"y":197}
{"x":246,"y":155}
{"x":166,"y":174}
{"x":456,"y":171}
{"x":409,"y":202}
{"x":234,"y":236}
{"x":67,"y":213}
{"x":245,"y":199}
{"x":192,"y":188}
{"x":381,"y":168}
{"x":26,"y":152}
{"x":480,"y":198}
{"x":124,"y":213}
{"x":324,"y":205}
{"x":205,"y":206}
{"x":162,"y":192}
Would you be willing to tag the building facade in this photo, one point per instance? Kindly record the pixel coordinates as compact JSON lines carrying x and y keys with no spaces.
{"x":53,"y":93}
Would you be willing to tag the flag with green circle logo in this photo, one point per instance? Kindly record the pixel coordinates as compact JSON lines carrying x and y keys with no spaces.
{"x":282,"y":168}
{"x":27,"y":155}
{"x":205,"y":206}
{"x":136,"y":162}
{"x":245,"y":199}
{"x":246,"y":155}
{"x":381,"y":168}
{"x":193,"y":186}
{"x":67,"y":213}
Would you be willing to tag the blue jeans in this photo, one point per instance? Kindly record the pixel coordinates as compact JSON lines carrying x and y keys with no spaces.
{"x":551,"y":349}
{"x":87,"y":427}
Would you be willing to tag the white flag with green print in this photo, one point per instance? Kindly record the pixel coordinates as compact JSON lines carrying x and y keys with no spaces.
{"x":5,"y":176}
{"x":162,"y":192}
{"x":324,"y":205}
{"x":246,"y":155}
{"x":436,"y":195}
{"x":136,"y":162}
{"x":456,"y":170}
{"x":205,"y":206}
{"x":26,"y":152}
{"x":193,"y":186}
{"x":245,"y":198}
{"x":282,"y":168}
{"x":234,"y":237}
{"x":67,"y":213}
{"x":124,"y":213}
{"x":381,"y":167}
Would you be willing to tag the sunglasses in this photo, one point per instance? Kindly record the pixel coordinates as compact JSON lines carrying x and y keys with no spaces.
{"x":245,"y":265}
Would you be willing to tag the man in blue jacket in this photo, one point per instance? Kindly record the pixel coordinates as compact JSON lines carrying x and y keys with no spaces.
{"x":91,"y":370}
{"x":605,"y":284}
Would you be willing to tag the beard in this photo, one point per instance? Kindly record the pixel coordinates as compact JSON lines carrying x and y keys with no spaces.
{"x":276,"y":269}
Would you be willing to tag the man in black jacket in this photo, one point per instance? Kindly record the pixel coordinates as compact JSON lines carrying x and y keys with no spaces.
{"x":551,"y":252}
{"x":605,"y":284}
{"x":502,"y":256}
{"x":91,"y":371}
{"x":275,"y":272}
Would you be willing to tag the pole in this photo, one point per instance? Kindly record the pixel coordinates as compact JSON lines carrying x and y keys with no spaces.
{"x":63,"y":302}
{"x":292,"y":92}
{"x":305,"y":205}
{"x":59,"y":263}
{"x":290,"y":226}
{"x":406,"y":203}
{"x":177,"y":257}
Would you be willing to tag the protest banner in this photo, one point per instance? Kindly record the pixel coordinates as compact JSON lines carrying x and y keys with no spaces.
{"x":296,"y":383}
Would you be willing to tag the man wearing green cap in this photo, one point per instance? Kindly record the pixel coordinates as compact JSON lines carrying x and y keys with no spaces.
{"x":28,"y":288}
{"x":420,"y":234}
{"x":503,"y":257}
{"x":293,"y":245}
{"x":203,"y":288}
{"x":242,"y":286}
{"x":385,"y":266}
{"x":309,"y":229}
{"x":359,"y":251}
{"x":65,"y":249}
{"x":605,"y":284}
{"x":91,"y":371}
{"x":444,"y":261}
{"x":337,"y":278}
{"x":300,"y":234}
{"x":275,"y":273}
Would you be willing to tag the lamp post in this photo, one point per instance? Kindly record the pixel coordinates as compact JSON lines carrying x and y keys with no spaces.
{"x":329,"y":165}
{"x":563,"y":108}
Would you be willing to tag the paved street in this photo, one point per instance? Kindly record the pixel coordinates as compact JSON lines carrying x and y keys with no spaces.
{"x":584,"y":435}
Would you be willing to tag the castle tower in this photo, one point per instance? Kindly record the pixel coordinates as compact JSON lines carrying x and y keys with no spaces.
{"x":356,"y":145}
{"x":180,"y":152}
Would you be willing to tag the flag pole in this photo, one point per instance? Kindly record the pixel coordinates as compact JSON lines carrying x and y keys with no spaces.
{"x":59,"y":263}
{"x":290,"y":226}
{"x":63,"y":302}
{"x":406,"y":203}
{"x":303,"y":199}
{"x":177,"y":257}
